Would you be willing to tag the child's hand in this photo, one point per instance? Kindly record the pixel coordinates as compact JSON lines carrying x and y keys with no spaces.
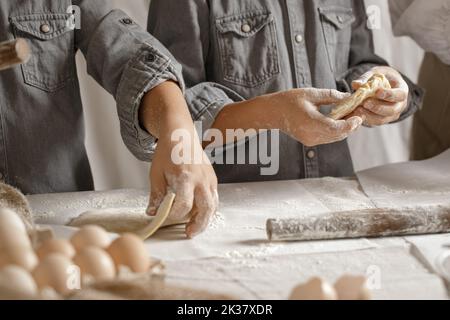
{"x":163,"y":112}
{"x":301,"y":119}
{"x":195,"y":186}
{"x":388,"y":105}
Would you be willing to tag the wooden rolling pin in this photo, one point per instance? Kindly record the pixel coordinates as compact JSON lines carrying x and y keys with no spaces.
{"x":13,"y":53}
{"x":362,"y":224}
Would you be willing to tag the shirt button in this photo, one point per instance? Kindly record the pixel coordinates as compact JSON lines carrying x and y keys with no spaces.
{"x":246,"y":28}
{"x":151,"y":57}
{"x":299,"y":38}
{"x":127,"y":21}
{"x":45,"y":28}
{"x":311,"y":154}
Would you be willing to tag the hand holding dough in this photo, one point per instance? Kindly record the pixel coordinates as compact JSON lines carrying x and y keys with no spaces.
{"x":369,"y":90}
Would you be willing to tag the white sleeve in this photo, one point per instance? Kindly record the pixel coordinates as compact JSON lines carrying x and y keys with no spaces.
{"x":397,"y":8}
{"x":427,"y":22}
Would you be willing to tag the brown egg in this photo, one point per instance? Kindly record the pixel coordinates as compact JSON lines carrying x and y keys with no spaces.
{"x":17,"y":282}
{"x":10,"y":219}
{"x":130,"y":251}
{"x":58,"y":272}
{"x":13,"y":237}
{"x":315,"y":289}
{"x":353,"y":288}
{"x":20,"y":256}
{"x":95,"y":262}
{"x":56,"y":246}
{"x":90,"y":236}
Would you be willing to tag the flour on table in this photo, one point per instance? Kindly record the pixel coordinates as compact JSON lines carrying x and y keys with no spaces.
{"x":252,"y":257}
{"x":335,"y":194}
{"x":217,"y":221}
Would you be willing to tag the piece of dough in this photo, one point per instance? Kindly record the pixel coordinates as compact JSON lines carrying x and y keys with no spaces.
{"x":369,"y":90}
{"x":118,"y":220}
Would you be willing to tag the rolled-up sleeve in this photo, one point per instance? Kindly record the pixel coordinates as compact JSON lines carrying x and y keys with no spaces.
{"x":207,"y":99}
{"x":128,"y":62}
{"x":363,"y":58}
{"x":183,"y":28}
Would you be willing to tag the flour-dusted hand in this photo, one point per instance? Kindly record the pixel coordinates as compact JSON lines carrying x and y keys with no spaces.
{"x":302,"y":119}
{"x":179,"y":165}
{"x":296,"y":112}
{"x":195,"y":187}
{"x":389,"y":104}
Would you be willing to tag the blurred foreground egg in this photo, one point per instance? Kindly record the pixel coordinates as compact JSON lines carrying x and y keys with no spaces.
{"x":10,"y":219}
{"x":58,"y":272}
{"x":95,"y":262}
{"x":13,"y":237}
{"x":17,"y":282}
{"x":61,"y":246}
{"x":353,"y":288}
{"x":130,"y":251}
{"x":20,"y":256}
{"x":314,"y":289}
{"x":90,"y":236}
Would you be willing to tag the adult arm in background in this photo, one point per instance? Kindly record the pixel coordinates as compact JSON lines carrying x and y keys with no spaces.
{"x":427,"y":22}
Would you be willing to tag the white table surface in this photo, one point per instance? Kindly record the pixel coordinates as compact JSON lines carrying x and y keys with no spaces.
{"x":234,"y":256}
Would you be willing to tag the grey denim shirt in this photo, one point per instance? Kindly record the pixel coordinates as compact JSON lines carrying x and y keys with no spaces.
{"x":232,"y":50}
{"x":41,"y":125}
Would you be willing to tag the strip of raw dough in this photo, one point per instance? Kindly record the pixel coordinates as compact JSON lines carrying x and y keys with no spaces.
{"x":369,"y":90}
{"x":160,"y":218}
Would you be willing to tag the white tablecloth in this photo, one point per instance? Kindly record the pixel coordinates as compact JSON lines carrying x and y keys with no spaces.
{"x":234,"y":257}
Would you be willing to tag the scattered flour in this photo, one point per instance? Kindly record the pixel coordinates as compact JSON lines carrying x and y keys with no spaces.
{"x":217,"y":222}
{"x":252,"y":258}
{"x":61,"y":208}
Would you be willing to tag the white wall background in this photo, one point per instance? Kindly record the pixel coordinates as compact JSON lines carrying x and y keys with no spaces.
{"x":114,"y":167}
{"x":112,"y":164}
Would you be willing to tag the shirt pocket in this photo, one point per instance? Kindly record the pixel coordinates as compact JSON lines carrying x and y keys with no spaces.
{"x":337,"y":30}
{"x":248,"y":48}
{"x":52,"y":63}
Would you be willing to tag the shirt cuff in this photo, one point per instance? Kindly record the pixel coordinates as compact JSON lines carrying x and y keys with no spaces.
{"x":344,"y":82}
{"x":415,"y":99}
{"x":148,"y":69}
{"x":207,"y":100}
